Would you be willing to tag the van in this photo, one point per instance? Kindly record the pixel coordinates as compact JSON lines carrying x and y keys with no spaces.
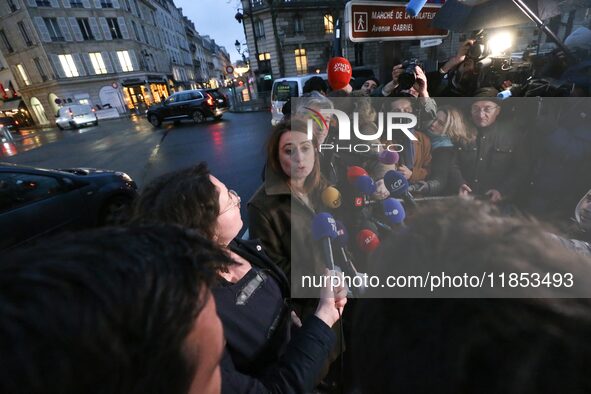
{"x":284,"y":88}
{"x":76,"y":115}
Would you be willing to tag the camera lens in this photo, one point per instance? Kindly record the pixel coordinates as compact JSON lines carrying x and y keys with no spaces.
{"x":407,"y":79}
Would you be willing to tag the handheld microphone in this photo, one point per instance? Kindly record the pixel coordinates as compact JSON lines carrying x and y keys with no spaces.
{"x":397,"y":185}
{"x":339,"y":73}
{"x":353,"y":172}
{"x":348,"y":267}
{"x":367,"y":240}
{"x":324,"y":229}
{"x":415,"y":6}
{"x":394,"y":211}
{"x":387,"y":157}
{"x":331,"y":197}
{"x":366,"y":186}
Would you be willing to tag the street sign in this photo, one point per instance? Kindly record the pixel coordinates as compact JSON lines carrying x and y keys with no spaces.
{"x":431,"y":43}
{"x":389,"y":21}
{"x":229,"y":70}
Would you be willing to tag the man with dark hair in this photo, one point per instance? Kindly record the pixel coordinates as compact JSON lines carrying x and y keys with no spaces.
{"x":115,"y":310}
{"x":477,"y":345}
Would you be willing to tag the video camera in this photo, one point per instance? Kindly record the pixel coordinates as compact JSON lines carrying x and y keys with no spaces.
{"x":407,"y":79}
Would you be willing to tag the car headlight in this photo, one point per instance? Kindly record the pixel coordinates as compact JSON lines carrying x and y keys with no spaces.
{"x":124,"y":176}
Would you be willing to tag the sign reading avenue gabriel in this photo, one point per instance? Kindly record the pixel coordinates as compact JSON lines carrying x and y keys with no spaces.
{"x":389,"y":21}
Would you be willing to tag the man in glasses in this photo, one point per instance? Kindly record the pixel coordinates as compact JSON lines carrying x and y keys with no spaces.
{"x":494,"y":164}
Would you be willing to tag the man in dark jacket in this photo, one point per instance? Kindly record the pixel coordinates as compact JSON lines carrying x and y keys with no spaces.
{"x":495,"y":164}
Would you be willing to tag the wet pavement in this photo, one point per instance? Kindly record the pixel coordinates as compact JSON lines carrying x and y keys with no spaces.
{"x":234,"y":148}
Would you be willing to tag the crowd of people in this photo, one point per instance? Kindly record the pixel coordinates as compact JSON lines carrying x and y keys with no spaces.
{"x":174,"y":302}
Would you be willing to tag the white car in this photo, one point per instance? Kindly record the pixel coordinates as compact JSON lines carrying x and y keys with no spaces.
{"x":284,"y":88}
{"x":76,"y":115}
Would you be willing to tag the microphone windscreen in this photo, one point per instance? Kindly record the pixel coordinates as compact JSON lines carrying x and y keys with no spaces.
{"x":323,"y":226}
{"x":331,"y":197}
{"x":387,"y":157}
{"x":342,"y":235}
{"x":415,"y":6}
{"x":353,"y":172}
{"x":396,"y":183}
{"x":394,"y":210}
{"x":365,"y":184}
{"x":367,"y":241}
{"x":339,"y":73}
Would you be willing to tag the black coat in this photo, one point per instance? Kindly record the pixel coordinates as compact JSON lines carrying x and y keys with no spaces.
{"x":262,"y":355}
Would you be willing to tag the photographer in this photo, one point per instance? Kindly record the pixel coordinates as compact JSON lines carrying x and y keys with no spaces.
{"x":460,"y":71}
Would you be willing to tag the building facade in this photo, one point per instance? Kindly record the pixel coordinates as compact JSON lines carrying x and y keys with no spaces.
{"x":295,"y":37}
{"x":123,"y":54}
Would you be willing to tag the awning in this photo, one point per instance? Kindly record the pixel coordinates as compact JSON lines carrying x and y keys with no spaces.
{"x":9,"y":105}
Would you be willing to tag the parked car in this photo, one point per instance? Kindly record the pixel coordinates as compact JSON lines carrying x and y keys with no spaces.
{"x":76,"y":115}
{"x":35,"y":202}
{"x":285,"y":88}
{"x":8,"y":123}
{"x":196,"y":105}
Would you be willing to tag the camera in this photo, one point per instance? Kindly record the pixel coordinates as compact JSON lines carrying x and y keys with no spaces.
{"x":408,"y":78}
{"x":478,"y":50}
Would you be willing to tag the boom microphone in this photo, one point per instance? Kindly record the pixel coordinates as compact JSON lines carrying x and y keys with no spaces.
{"x":324,"y":229}
{"x":415,"y":6}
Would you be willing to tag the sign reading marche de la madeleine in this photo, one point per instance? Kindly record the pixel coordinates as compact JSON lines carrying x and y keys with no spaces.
{"x":389,"y":21}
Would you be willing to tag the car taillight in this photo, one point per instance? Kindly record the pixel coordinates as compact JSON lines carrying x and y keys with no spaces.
{"x":71,"y":113}
{"x":209,"y":100}
{"x":93,"y":110}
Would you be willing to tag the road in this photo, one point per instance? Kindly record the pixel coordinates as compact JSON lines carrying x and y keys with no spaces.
{"x":234,"y":149}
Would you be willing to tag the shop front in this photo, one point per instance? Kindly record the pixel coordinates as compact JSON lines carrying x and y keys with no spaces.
{"x":139,"y":94}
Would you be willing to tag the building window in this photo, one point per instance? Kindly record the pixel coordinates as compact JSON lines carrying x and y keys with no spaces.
{"x":264,"y":56}
{"x":135,"y":30}
{"x":23,"y":74}
{"x":53,"y":28}
{"x":259,"y":29}
{"x":76,"y":4}
{"x":43,"y":3}
{"x":301,"y":60}
{"x":5,"y":42}
{"x":69,"y":66}
{"x":125,"y":61}
{"x":106,"y":4}
{"x":21,"y":27}
{"x":85,"y":29}
{"x":298,"y":24}
{"x":98,"y":64}
{"x":265,"y":62}
{"x":11,"y":5}
{"x":114,"y":27}
{"x":328,"y":24}
{"x":40,"y":69}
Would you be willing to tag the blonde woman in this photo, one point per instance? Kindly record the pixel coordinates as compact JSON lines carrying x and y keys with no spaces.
{"x":448,"y":133}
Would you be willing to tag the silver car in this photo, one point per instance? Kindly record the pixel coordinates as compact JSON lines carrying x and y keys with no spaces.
{"x":76,"y":115}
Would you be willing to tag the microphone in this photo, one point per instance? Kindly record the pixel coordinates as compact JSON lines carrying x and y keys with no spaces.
{"x":331,"y":197}
{"x":347,"y":265}
{"x":339,"y":73}
{"x":394,"y":211}
{"x":415,"y":6}
{"x":366,"y":186}
{"x":387,"y":157}
{"x":397,"y":185}
{"x":367,"y":240}
{"x":324,"y":229}
{"x":353,"y":172}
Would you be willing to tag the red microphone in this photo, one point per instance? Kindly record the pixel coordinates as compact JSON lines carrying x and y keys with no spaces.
{"x":367,"y":241}
{"x":353,"y":172}
{"x":339,"y":73}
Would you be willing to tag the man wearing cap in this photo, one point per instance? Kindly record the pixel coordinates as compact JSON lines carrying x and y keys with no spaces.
{"x":495,"y":163}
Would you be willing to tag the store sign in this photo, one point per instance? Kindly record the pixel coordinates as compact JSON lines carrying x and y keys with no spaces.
{"x":229,"y":70}
{"x":389,"y":21}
